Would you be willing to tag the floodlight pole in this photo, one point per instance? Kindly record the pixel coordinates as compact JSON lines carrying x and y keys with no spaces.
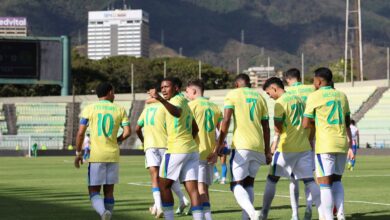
{"x":346,"y":40}
{"x":65,"y":65}
{"x":268,"y":66}
{"x":238,"y":65}
{"x":165,"y":68}
{"x":350,"y":54}
{"x":200,"y":69}
{"x":388,"y":68}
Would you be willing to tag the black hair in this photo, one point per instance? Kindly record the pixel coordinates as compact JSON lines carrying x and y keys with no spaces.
{"x":149,"y":86}
{"x":273,"y":80}
{"x":198,"y":83}
{"x":174,"y":80}
{"x":353,"y":122}
{"x":293,"y":73}
{"x":103,"y":89}
{"x":324,"y":73}
{"x":245,"y":78}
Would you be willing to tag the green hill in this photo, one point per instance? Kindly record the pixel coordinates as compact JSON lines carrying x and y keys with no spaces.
{"x":211,"y":29}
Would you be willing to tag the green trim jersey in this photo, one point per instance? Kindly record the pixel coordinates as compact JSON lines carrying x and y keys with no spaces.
{"x":289,"y":110}
{"x":301,"y":90}
{"x":104,"y":119}
{"x":207,"y":116}
{"x":329,"y":107}
{"x":152,"y":119}
{"x":179,"y":130}
{"x":249,"y":109}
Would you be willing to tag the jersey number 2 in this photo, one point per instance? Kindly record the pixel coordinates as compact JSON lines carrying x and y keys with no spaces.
{"x":336,"y":111}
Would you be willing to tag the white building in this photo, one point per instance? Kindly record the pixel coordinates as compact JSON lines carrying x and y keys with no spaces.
{"x":259,"y":74}
{"x":118,"y":32}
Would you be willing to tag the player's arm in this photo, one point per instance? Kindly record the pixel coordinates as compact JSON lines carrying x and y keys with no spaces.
{"x":278,"y":128}
{"x":350,"y":154}
{"x":195,"y":128}
{"x":126,"y":133}
{"x":138,"y":130}
{"x":308,"y":123}
{"x":266,"y":136}
{"x":228,"y":112}
{"x":172,"y":109}
{"x":79,"y":142}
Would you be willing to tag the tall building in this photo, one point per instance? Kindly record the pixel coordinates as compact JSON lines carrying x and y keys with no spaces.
{"x":13,"y":26}
{"x":118,"y":32}
{"x":259,"y":74}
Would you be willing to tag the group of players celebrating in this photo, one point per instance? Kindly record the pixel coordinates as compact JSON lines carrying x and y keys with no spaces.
{"x":178,"y":130}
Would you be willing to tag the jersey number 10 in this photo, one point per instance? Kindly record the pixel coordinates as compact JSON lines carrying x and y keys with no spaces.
{"x":102,"y":124}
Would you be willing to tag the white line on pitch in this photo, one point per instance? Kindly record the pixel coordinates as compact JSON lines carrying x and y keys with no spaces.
{"x":261,"y":194}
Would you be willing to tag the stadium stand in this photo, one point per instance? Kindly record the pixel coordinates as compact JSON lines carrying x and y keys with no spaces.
{"x":44,"y":122}
{"x":357,"y":96}
{"x":3,"y":122}
{"x":375,"y":125}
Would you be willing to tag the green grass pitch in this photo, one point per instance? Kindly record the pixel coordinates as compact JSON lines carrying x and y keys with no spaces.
{"x":51,"y":188}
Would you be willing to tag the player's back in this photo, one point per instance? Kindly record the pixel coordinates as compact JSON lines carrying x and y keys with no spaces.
{"x":104,"y":119}
{"x":249,"y":109}
{"x":301,"y":90}
{"x":207,"y":115}
{"x":329,"y":107}
{"x":289,"y":110}
{"x":152,"y":119}
{"x":179,"y":130}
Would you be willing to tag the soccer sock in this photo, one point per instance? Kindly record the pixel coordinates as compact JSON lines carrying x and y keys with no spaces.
{"x":97,"y":203}
{"x":294,"y":196}
{"x":314,"y":192}
{"x":338,"y":196}
{"x":207,"y":211}
{"x":176,"y":188}
{"x":309,"y":198}
{"x":197,"y":212}
{"x":157,"y":197}
{"x":249,"y":190}
{"x":224,"y":170}
{"x":326,"y":201}
{"x":216,"y":173}
{"x":243,"y":199}
{"x":269,"y":194}
{"x":168,"y":210}
{"x":353,"y":162}
{"x":109,"y":204}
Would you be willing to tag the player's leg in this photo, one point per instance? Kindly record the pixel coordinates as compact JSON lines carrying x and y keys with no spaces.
{"x":183,"y":201}
{"x":354,"y":149}
{"x":242,"y":185}
{"x":189,"y":175}
{"x":204,"y":181}
{"x":337,"y":186}
{"x":294,"y":196}
{"x":169,"y":172}
{"x":324,"y":169}
{"x":109,"y":200}
{"x":96,"y":178}
{"x":216,"y":174}
{"x":224,"y":169}
{"x":153,"y":159}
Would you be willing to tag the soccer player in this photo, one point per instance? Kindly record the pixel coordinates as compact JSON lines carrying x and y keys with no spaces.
{"x":104,"y":119}
{"x":355,"y":144}
{"x":86,"y":147}
{"x":181,"y":160}
{"x":250,"y":141}
{"x":154,"y":139}
{"x":293,"y":156}
{"x":329,"y":109}
{"x":208,"y":117}
{"x":293,"y":79}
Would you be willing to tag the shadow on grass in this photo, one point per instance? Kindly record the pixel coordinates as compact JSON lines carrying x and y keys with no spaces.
{"x":36,"y":203}
{"x":377,"y":215}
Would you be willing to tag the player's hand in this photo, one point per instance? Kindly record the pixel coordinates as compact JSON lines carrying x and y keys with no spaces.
{"x":350,"y":155}
{"x":151,"y":100}
{"x":154,"y":94}
{"x":212,"y":158}
{"x":77,"y":161}
{"x":268,"y":158}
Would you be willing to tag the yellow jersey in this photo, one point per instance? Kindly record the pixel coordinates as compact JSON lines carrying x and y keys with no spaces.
{"x":289,"y":110}
{"x":301,"y":90}
{"x":249,"y":108}
{"x":152,"y":119}
{"x":329,"y":107}
{"x":207,"y":116}
{"x":104,"y":119}
{"x":179,"y":130}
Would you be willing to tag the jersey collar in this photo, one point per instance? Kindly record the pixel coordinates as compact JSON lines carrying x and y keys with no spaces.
{"x":296,"y":84}
{"x":326,"y":87}
{"x":105,"y":101}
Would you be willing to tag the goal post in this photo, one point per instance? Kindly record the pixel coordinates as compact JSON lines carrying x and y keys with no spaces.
{"x":20,"y":143}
